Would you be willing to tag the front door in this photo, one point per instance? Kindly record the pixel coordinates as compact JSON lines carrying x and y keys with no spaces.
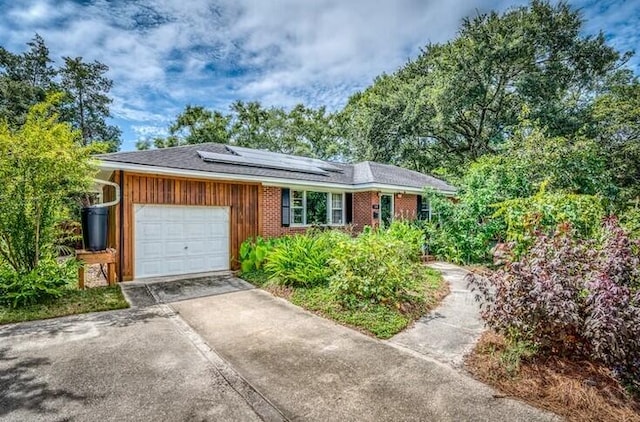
{"x":386,"y":210}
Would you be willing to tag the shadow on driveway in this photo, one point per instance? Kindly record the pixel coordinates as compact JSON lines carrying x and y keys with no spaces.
{"x":23,"y":390}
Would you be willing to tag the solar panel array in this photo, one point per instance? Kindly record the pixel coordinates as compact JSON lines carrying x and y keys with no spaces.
{"x":270,"y":160}
{"x":279,"y":157}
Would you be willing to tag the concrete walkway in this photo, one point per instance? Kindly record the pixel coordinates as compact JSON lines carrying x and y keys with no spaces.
{"x":451,"y":330}
{"x":312,"y":369}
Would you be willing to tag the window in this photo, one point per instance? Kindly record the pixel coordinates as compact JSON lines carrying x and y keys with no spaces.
{"x":316,"y":208}
{"x":424,"y":210}
{"x":297,"y":207}
{"x":386,"y":209}
{"x":337,"y":199}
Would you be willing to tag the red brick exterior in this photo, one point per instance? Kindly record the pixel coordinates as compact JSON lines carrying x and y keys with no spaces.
{"x":363,"y":203}
{"x":405,"y":206}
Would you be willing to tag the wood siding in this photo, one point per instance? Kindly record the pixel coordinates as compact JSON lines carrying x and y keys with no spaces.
{"x":242,"y":199}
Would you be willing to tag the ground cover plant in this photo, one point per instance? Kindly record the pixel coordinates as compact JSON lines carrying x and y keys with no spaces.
{"x":569,"y":302}
{"x":373,"y":282}
{"x":69,"y":301}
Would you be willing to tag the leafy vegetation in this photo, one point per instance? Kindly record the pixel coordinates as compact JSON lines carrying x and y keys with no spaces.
{"x":572,"y":297}
{"x":41,"y":164}
{"x":303,"y":259}
{"x":373,"y":282}
{"x":301,"y":131}
{"x":377,"y":267}
{"x":48,"y":280}
{"x":459,"y":100}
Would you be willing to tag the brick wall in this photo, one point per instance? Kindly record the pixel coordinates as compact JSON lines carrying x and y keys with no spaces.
{"x":363,"y":209}
{"x":272,"y":214}
{"x":405,"y":206}
{"x":363,"y":202}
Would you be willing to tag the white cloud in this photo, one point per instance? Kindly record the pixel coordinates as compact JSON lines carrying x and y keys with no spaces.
{"x":147,"y":132}
{"x":164,"y":54}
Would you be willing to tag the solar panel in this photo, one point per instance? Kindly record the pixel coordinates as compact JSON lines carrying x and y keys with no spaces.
{"x":268,"y":156}
{"x":252,"y":161}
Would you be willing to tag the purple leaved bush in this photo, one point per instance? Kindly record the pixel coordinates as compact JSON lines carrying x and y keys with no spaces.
{"x":571,"y":297}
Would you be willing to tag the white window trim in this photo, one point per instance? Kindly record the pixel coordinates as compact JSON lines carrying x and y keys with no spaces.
{"x":330,"y":222}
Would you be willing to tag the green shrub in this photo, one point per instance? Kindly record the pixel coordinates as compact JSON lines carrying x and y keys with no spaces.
{"x":48,"y":280}
{"x":630,"y":220}
{"x":302,"y":259}
{"x":410,"y":234}
{"x":253,"y":253}
{"x":525,"y":217}
{"x":375,"y":268}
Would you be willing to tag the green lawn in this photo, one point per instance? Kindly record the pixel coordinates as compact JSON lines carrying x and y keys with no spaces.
{"x":72,"y":302}
{"x":374,"y":319}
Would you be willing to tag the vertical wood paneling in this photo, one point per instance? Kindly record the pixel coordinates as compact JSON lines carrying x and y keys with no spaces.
{"x":243,"y":200}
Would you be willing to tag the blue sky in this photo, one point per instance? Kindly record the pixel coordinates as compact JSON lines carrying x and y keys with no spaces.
{"x":165,"y":54}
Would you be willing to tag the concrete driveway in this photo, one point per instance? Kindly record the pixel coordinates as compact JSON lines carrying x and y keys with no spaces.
{"x":237,"y":355}
{"x":314,"y":370}
{"x":130,"y":365}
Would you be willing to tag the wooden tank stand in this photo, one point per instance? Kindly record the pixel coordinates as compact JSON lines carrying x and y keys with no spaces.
{"x":107,"y":256}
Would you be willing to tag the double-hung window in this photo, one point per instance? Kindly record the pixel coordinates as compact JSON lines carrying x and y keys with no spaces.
{"x":337,"y":208}
{"x":317,"y":208}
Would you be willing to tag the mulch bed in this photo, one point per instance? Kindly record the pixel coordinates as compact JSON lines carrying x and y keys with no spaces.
{"x":578,"y":390}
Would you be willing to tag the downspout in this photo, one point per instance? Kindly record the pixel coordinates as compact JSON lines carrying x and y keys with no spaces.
{"x":117,"y":196}
{"x":121,"y":229}
{"x":118,"y":189}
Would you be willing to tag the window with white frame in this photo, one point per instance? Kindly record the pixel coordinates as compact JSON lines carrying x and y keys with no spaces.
{"x":317,"y":208}
{"x":337,"y":208}
{"x":297,"y":207}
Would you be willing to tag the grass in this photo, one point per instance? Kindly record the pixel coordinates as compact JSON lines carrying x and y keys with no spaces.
{"x":374,"y":319}
{"x":72,"y":302}
{"x":577,"y":390}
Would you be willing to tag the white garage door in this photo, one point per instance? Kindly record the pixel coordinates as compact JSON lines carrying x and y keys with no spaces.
{"x":171,"y":240}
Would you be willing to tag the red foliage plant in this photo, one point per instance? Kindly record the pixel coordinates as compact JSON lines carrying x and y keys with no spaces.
{"x":571,"y":297}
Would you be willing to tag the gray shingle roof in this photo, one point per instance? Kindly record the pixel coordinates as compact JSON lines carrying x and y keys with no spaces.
{"x":187,"y":158}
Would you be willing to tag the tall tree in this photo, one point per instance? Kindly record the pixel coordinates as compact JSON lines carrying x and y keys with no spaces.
{"x":197,"y":125}
{"x":88,"y":105}
{"x":618,"y":131}
{"x":460,"y":100}
{"x":25,"y":80}
{"x":301,"y":130}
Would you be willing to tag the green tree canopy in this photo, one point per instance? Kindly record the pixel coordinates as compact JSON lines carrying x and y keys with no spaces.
{"x":459,"y":100}
{"x":41,"y":165}
{"x":24,"y":80}
{"x":27,"y":78}
{"x":87,"y":88}
{"x":617,"y":114}
{"x":301,"y":130}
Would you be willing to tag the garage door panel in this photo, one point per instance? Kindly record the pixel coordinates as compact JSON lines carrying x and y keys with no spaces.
{"x":152,"y":250}
{"x":172,"y":240}
{"x":195,"y":230}
{"x":151,"y":231}
{"x":174,"y":230}
{"x":174,"y":248}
